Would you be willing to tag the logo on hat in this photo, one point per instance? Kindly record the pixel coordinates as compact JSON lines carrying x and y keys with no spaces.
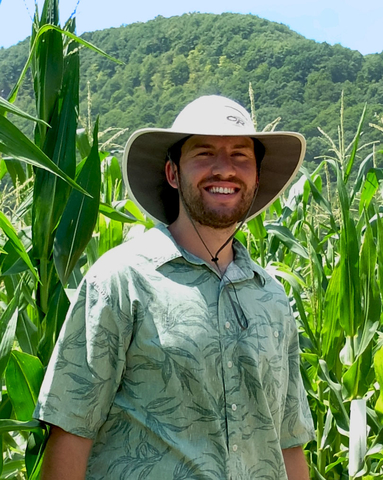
{"x":237,"y":120}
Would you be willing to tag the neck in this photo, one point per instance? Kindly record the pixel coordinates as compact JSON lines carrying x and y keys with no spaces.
{"x":187,"y":237}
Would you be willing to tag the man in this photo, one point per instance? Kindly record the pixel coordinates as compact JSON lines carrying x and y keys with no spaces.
{"x":179,"y":358}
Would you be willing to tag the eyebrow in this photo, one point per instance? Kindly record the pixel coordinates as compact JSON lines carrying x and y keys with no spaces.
{"x":208,"y":145}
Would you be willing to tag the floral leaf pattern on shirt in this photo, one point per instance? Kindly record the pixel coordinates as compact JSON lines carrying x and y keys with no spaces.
{"x":189,"y":471}
{"x":214,"y":414}
{"x":169,"y":365}
{"x":141,"y":462}
{"x":155,"y":411}
{"x":152,"y":365}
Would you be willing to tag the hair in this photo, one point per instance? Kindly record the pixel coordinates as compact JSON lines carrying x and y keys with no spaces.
{"x":174,"y":152}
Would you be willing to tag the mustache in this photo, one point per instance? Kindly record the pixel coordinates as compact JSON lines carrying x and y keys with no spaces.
{"x":218,"y":179}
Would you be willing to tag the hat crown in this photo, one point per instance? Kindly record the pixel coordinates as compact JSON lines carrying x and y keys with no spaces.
{"x":214,"y":115}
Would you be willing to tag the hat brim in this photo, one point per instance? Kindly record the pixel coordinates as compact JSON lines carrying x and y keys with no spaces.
{"x":144,"y":170}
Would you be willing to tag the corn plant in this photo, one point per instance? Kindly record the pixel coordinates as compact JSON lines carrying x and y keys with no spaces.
{"x":56,"y":219}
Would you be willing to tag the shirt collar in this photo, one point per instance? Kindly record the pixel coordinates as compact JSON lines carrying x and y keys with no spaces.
{"x":166,"y":250}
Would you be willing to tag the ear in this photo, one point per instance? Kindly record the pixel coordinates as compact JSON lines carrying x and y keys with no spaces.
{"x":171,"y":174}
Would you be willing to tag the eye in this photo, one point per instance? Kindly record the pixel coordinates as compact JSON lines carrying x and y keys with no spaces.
{"x":204,"y":154}
{"x":240,"y":154}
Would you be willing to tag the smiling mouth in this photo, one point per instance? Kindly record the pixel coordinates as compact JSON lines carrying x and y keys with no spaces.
{"x":224,"y":190}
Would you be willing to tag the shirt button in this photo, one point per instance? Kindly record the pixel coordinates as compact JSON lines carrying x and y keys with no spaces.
{"x":276,"y":334}
{"x":234,"y":407}
{"x":235,"y":448}
{"x":227,"y":324}
{"x":229,"y":364}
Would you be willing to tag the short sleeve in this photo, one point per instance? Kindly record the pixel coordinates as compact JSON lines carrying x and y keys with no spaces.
{"x":87,"y":364}
{"x":297,"y":426}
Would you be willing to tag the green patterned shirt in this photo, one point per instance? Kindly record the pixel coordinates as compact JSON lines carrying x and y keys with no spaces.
{"x":153,"y":366}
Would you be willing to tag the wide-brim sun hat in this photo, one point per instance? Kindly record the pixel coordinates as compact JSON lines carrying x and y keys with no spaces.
{"x":146,"y":151}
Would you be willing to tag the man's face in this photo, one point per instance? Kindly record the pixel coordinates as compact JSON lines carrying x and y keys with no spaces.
{"x":217,"y":178}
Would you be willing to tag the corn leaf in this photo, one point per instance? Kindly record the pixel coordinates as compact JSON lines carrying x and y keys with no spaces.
{"x":114,"y":214}
{"x":3,"y":168}
{"x":287,"y":238}
{"x":16,"y":171}
{"x":366,"y":165}
{"x":39,"y":33}
{"x":48,"y":71}
{"x":304,"y":319}
{"x":349,"y":264}
{"x":332,"y":334}
{"x":2,"y":454}
{"x":82,"y":142}
{"x":58,"y":307}
{"x":15,"y":144}
{"x":369,"y":287}
{"x":284,"y":271}
{"x":50,"y":192}
{"x":18,"y":246}
{"x":132,"y":208}
{"x":12,"y":263}
{"x":24,"y":376}
{"x":110,"y":234}
{"x":378,"y":367}
{"x":358,"y":436}
{"x":9,"y":107}
{"x":8,"y":322}
{"x":257,"y":228}
{"x":337,"y":408}
{"x":8,"y":425}
{"x":34,"y":454}
{"x":354,"y":147}
{"x":379,"y":250}
{"x":373,"y":179}
{"x":318,"y":197}
{"x":112,"y":176}
{"x":79,"y":217}
{"x":27,"y":333}
{"x":356,"y":379}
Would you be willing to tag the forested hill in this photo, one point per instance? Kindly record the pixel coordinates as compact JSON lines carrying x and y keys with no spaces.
{"x":170,"y":61}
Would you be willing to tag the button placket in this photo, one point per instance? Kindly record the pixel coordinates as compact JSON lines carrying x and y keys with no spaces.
{"x":232,"y":408}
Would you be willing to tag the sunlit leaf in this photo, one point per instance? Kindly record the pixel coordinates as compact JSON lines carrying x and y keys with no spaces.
{"x":373,"y":179}
{"x":358,"y":436}
{"x":378,"y":366}
{"x":132,"y":208}
{"x":257,"y":228}
{"x":24,"y":376}
{"x":114,"y":214}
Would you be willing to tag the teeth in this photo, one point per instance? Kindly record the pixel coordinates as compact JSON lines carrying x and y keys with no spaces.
{"x":224,"y":190}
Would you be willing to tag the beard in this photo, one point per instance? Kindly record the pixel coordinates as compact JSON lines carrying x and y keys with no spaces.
{"x":215,"y":217}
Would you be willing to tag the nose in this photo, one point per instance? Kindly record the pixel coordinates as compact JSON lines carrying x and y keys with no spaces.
{"x":223,"y":165}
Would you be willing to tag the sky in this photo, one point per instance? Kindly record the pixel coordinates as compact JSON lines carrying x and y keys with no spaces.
{"x":354,"y":24}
